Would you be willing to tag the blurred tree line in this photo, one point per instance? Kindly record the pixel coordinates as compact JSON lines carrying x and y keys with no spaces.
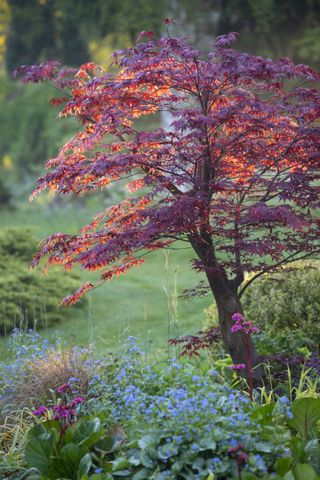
{"x":75,"y":31}
{"x":64,"y":29}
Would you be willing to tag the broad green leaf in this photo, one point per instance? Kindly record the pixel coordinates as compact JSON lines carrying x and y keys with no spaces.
{"x":145,"y":459}
{"x":263,"y":447}
{"x":304,"y":471}
{"x":84,"y":465}
{"x":312,"y":450}
{"x":167,"y":450}
{"x":101,"y":476}
{"x":109,"y":443}
{"x":198,"y":464}
{"x":282,"y":465}
{"x":88,"y":432}
{"x":263,"y":414}
{"x":210,"y":476}
{"x":150,"y":440}
{"x":298,"y":450}
{"x":177,"y":466}
{"x":66,"y":464}
{"x":306,"y":413}
{"x":120,"y":463}
{"x":207,"y":444}
{"x":39,"y":450}
{"x":289,"y":476}
{"x":143,"y":474}
{"x":122,"y":473}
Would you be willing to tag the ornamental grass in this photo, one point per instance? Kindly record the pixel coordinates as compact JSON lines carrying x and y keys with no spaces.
{"x":42,"y":376}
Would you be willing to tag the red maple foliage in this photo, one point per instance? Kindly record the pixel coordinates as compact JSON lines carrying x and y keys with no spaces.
{"x":237,"y":175}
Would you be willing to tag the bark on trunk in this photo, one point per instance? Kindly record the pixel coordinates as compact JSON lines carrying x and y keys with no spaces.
{"x":239,"y":345}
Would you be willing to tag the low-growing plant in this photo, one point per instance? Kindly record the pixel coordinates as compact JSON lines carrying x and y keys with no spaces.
{"x":27,"y":298}
{"x":183,"y":424}
{"x":173,"y":420}
{"x":68,"y":445}
{"x":270,"y":341}
{"x":13,"y":438}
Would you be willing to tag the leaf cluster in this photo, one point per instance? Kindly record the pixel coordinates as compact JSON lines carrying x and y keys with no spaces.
{"x":83,"y":447}
{"x":287,"y":303}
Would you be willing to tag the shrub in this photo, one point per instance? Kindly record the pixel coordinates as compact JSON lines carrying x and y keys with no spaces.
{"x":286,"y":307}
{"x":287,"y":302}
{"x":28,"y":299}
{"x":31,"y":375}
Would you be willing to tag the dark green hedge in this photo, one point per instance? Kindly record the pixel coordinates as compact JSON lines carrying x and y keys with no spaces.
{"x":29,"y":299}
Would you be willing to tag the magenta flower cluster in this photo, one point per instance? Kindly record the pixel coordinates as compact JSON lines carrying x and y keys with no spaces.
{"x":41,"y":411}
{"x":66,"y":411}
{"x":242,"y":325}
{"x":238,"y":366}
{"x":61,"y":411}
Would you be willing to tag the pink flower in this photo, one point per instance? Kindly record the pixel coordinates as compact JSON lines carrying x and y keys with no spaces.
{"x":238,"y":366}
{"x":40,"y":411}
{"x":63,"y":388}
{"x":63,"y":411}
{"x":242,"y":325}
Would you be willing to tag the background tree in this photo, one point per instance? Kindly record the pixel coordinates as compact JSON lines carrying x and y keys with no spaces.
{"x":42,"y":30}
{"x":237,"y":177}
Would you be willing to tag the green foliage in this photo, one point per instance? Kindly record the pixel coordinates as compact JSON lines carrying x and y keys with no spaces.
{"x":306,"y":414}
{"x":170,"y":420}
{"x":28,"y":299}
{"x":19,"y":243}
{"x":43,"y":375}
{"x":24,"y":113}
{"x":44,"y":30}
{"x":68,"y":453}
{"x":5,"y":194}
{"x":286,"y":303}
{"x":182,"y":422}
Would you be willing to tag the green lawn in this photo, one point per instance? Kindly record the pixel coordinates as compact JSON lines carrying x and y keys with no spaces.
{"x":142,"y":303}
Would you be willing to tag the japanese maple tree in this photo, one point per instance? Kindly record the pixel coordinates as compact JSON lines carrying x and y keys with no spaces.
{"x":237,"y":176}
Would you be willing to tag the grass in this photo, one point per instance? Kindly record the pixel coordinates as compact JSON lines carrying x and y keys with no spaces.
{"x":143,"y":303}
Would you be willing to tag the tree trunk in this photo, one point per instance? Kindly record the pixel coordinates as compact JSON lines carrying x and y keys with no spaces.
{"x":239,"y":345}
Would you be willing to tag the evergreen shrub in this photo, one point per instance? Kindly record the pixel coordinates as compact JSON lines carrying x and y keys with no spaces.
{"x":29,"y":299}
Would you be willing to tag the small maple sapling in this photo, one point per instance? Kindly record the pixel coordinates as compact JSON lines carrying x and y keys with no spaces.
{"x":237,"y":176}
